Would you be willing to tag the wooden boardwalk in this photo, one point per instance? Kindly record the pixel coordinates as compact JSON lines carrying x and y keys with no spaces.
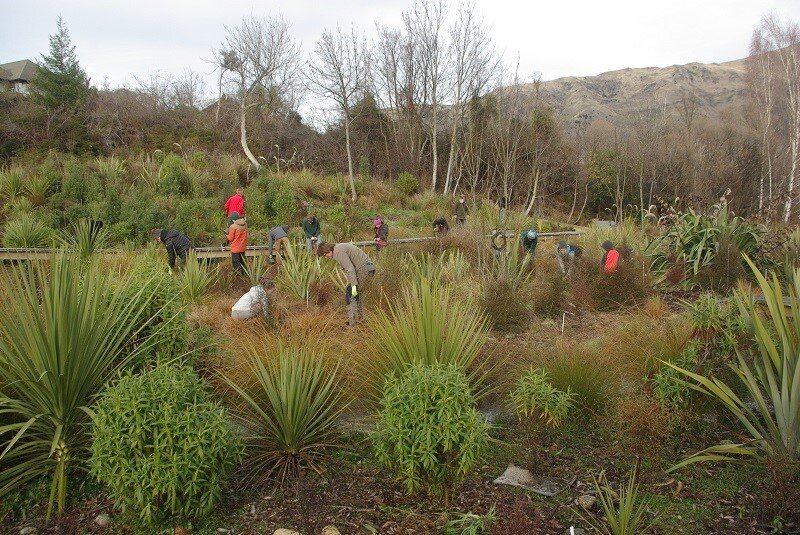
{"x":253,"y":250}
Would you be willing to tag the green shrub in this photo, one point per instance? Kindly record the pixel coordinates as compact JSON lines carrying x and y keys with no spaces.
{"x":175,"y":178}
{"x":578,"y":369}
{"x":669,"y":386}
{"x":64,"y":331}
{"x":284,"y":206}
{"x":201,"y":221}
{"x":79,"y":185}
{"x":535,"y":393}
{"x":504,"y":307}
{"x":160,"y":446}
{"x":407,"y":183}
{"x":140,"y":213}
{"x":429,"y":431}
{"x":289,"y":411}
{"x":198,"y":160}
{"x":27,"y":231}
{"x":196,"y":279}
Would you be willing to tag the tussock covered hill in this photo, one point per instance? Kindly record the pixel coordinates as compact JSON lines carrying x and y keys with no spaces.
{"x":621,"y":96}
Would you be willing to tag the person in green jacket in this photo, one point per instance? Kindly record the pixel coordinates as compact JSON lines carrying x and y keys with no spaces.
{"x":311,"y":228}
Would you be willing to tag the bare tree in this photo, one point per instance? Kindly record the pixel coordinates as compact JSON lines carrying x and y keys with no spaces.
{"x":188,"y":89}
{"x":473,"y":60}
{"x":425,"y":25}
{"x":762,"y":79}
{"x":257,"y":61}
{"x":157,"y":87}
{"x":784,"y":40}
{"x":340,"y":74}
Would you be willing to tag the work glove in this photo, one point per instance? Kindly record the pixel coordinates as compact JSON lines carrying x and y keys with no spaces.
{"x":353,"y":291}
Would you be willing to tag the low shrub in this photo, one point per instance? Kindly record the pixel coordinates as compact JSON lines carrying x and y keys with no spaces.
{"x":12,"y":183}
{"x":429,"y":430}
{"x":175,"y":179}
{"x":549,"y":293}
{"x":160,"y":446}
{"x":38,"y":188}
{"x":535,"y":394}
{"x":407,"y":183}
{"x":626,"y":286}
{"x":196,"y":279}
{"x":196,"y":218}
{"x":669,"y":387}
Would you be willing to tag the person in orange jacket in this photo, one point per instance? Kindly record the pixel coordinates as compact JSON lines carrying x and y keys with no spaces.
{"x":237,"y":238}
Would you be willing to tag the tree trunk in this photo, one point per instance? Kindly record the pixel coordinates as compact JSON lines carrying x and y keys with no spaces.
{"x":434,"y":147}
{"x":349,"y":156}
{"x":451,"y":158}
{"x":535,"y":191}
{"x":243,"y":139}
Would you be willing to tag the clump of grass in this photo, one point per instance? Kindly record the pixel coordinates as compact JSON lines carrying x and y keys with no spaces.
{"x":585,"y":371}
{"x":27,"y":231}
{"x":507,"y":309}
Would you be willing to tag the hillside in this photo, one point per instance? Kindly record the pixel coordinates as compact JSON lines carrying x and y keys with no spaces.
{"x":619,"y":96}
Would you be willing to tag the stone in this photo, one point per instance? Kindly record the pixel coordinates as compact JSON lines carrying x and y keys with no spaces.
{"x":331,"y":530}
{"x":284,"y":531}
{"x":586,"y":501}
{"x":223,"y":530}
{"x":575,"y":531}
{"x":102,"y":520}
{"x":28,"y":531}
{"x":519,"y":477}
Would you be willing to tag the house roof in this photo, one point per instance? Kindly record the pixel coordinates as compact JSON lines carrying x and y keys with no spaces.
{"x":23,"y":70}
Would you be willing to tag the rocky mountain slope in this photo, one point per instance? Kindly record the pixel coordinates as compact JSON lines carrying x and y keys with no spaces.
{"x":620,"y":97}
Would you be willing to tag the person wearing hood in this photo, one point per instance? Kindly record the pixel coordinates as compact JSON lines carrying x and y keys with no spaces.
{"x":566,"y":253}
{"x":610,"y":257}
{"x":278,"y":237}
{"x":529,"y":240}
{"x":381,"y":233}
{"x":176,"y":244}
{"x":235,"y":203}
{"x":237,"y":238}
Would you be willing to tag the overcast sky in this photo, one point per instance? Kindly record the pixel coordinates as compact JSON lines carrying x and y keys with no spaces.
{"x":119,"y":40}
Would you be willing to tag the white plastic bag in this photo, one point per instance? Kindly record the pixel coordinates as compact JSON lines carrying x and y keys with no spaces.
{"x":251,"y":304}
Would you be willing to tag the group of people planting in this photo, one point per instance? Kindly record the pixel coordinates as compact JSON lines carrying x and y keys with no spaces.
{"x":355,"y":263}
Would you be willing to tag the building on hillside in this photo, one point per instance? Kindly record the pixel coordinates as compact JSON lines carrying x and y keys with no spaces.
{"x":16,"y":76}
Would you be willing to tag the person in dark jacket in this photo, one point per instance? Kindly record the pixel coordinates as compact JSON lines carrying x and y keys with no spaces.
{"x":176,"y":244}
{"x":357,"y":267}
{"x":311,"y":229}
{"x":440,"y":227}
{"x":529,"y":239}
{"x":278,"y":238}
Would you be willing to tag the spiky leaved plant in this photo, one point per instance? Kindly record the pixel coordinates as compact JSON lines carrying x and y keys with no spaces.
{"x":64,"y":331}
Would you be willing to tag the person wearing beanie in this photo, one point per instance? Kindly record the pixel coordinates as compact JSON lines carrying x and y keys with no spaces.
{"x":610,"y":257}
{"x":357,"y":267}
{"x":381,"y":233}
{"x":566,"y":253}
{"x":529,"y":240}
{"x":460,"y":211}
{"x":176,"y":244}
{"x":237,"y":239}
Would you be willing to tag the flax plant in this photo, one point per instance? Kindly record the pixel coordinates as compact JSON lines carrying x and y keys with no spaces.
{"x":770,"y":377}
{"x":195,"y":279}
{"x":289,"y":411}
{"x":430,"y":324}
{"x":64,"y":331}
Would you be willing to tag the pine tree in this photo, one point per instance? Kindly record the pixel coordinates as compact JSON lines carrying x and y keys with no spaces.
{"x":61,"y":86}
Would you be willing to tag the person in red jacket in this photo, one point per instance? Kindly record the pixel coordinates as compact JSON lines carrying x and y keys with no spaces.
{"x":237,"y":238}
{"x":235,"y":203}
{"x":610,"y":257}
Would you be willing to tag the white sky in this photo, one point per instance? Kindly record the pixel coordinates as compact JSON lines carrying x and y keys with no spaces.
{"x":119,"y":40}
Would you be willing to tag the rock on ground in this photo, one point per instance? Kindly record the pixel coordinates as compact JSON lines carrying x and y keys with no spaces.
{"x":586,"y":501}
{"x":28,"y":531}
{"x":284,"y":531}
{"x":331,"y":530}
{"x":102,"y":520}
